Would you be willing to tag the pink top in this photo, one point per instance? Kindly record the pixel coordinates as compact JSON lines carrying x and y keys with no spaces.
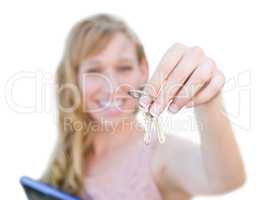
{"x":132,"y":180}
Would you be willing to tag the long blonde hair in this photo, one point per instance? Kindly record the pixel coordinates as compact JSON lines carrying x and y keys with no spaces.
{"x":87,"y":37}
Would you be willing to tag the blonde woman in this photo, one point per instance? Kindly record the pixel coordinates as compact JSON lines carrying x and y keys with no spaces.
{"x":101,"y":154}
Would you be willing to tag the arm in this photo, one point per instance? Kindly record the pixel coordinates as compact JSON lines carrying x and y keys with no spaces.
{"x":187,"y":77}
{"x":220,"y":153}
{"x":213,"y":167}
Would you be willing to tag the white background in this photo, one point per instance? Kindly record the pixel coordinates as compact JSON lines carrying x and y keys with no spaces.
{"x":32,"y":39}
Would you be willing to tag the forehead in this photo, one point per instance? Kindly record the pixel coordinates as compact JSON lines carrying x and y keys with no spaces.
{"x":120,"y":47}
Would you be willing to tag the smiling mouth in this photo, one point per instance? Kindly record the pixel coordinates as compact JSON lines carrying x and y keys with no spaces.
{"x":111,"y":104}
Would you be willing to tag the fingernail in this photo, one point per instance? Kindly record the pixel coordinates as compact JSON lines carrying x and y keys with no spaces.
{"x":155,"y":110}
{"x":144,"y":102}
{"x":173,"y":108}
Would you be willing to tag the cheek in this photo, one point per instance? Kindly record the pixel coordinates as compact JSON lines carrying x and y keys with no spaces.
{"x":135,"y":80}
{"x":94,"y":86}
{"x":90,"y":88}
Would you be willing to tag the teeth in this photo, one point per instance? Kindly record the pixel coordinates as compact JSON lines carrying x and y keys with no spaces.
{"x":118,"y":102}
{"x":110,"y":104}
{"x":104,"y":103}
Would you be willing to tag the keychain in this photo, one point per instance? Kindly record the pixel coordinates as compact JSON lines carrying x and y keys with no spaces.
{"x":151,"y":122}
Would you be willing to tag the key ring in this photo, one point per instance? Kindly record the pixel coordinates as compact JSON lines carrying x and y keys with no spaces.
{"x":137,"y":93}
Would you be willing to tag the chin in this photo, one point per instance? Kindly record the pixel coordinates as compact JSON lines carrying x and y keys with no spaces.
{"x":114,"y":120}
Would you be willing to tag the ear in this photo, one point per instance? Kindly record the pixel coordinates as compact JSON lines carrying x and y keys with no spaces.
{"x":144,"y":70}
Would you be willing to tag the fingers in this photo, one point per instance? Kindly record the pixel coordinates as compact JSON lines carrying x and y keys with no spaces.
{"x":200,"y":77}
{"x":184,"y":77}
{"x":181,"y":73}
{"x":165,"y":67}
{"x":210,"y":91}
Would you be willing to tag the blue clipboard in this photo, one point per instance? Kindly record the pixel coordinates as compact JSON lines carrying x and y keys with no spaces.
{"x":36,"y":190}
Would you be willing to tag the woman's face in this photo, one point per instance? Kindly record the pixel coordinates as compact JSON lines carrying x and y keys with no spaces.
{"x":106,"y":77}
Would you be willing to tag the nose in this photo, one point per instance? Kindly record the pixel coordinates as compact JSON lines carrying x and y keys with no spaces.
{"x":118,"y":87}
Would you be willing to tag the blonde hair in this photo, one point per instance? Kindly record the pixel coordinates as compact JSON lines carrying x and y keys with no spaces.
{"x":87,"y":37}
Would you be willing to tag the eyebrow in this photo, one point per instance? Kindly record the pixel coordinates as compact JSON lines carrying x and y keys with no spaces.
{"x":97,"y":62}
{"x":92,"y":61}
{"x":125,"y":60}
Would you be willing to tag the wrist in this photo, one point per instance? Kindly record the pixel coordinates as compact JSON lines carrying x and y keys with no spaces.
{"x":214,"y":104}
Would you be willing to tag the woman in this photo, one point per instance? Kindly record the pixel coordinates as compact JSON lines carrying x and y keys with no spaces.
{"x":100,"y":152}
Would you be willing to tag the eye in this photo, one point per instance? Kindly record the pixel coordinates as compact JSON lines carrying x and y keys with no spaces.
{"x":124,"y":68}
{"x":93,"y":70}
